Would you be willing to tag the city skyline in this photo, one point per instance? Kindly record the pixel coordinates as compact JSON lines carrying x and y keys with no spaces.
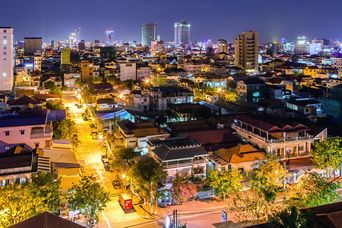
{"x":209,"y":20}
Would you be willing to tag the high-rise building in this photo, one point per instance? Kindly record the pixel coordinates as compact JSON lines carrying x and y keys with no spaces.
{"x":148,"y":33}
{"x":182,"y":33}
{"x":110,"y":37}
{"x":302,"y":46}
{"x":81,"y":45}
{"x":65,"y":56}
{"x":246,"y":51}
{"x":222,"y":46}
{"x":6,"y":58}
{"x":32,"y":45}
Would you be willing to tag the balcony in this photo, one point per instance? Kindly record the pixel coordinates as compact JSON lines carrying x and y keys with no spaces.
{"x":38,"y":135}
{"x":268,"y":139}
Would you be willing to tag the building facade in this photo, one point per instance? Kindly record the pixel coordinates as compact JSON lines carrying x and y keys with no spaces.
{"x":148,"y":33}
{"x":247,"y":50}
{"x":6,"y":59}
{"x":182,"y":33}
{"x":32,"y":45}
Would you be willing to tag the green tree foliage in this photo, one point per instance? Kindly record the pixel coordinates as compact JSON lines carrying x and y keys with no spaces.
{"x":225,"y":183}
{"x":268,"y":179}
{"x":88,"y":197}
{"x":328,"y":154}
{"x":48,"y":189}
{"x":129,"y":84}
{"x":66,"y":129}
{"x":183,"y":190}
{"x":293,"y":218}
{"x":313,"y":190}
{"x":54,"y":105}
{"x":20,"y":202}
{"x":251,"y":206}
{"x":123,"y":159}
{"x":53,"y":88}
{"x":146,"y":176}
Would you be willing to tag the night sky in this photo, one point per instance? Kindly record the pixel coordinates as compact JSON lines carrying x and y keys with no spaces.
{"x":210,"y":19}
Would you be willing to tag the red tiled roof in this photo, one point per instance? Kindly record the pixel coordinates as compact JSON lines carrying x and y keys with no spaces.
{"x":213,"y":136}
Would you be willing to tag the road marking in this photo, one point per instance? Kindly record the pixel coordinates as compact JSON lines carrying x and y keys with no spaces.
{"x":105,"y":218}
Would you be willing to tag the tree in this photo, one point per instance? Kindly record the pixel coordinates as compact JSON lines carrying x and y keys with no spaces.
{"x":53,"y":88}
{"x":183,"y":190}
{"x":146,"y":176}
{"x":22,"y":201}
{"x":18,"y":204}
{"x":293,"y":218}
{"x":123,"y":159}
{"x":225,"y":183}
{"x":328,"y":154}
{"x":88,"y":197}
{"x":313,"y":190}
{"x":251,"y":206}
{"x":48,"y":189}
{"x":66,"y":129}
{"x":54,"y":105}
{"x":268,"y":179}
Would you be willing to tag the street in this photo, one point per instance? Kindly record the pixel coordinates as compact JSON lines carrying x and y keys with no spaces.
{"x":88,"y":154}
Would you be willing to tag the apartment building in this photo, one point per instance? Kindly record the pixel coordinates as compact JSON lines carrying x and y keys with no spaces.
{"x":180,"y":156}
{"x":281,"y":137}
{"x":31,"y":128}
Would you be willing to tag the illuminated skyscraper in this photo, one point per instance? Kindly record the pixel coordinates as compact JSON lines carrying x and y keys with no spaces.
{"x":247,"y":50}
{"x":222,"y":46}
{"x":110,"y":37}
{"x":148,"y":33}
{"x":73,"y":39}
{"x":182,"y":33}
{"x":302,"y":46}
{"x":32,"y":45}
{"x":6,"y":58}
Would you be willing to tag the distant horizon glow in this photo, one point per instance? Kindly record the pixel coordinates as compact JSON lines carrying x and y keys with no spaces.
{"x":214,"y":19}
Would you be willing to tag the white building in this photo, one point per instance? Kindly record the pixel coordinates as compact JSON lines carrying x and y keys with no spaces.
{"x":6,"y":58}
{"x":128,"y":71}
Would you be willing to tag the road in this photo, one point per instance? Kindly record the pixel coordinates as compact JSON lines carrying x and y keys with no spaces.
{"x":88,"y":154}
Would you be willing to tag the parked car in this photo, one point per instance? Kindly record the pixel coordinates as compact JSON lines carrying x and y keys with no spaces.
{"x":116,"y":184}
{"x":126,"y":201}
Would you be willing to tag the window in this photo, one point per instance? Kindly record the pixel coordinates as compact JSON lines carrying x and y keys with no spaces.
{"x":7,"y":147}
{"x":7,"y":133}
{"x":22,"y":132}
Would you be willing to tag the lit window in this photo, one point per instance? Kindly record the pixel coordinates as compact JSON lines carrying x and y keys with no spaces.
{"x":4,"y":42}
{"x":4,"y":75}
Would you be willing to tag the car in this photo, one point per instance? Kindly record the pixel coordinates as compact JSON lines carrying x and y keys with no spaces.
{"x":116,"y":184}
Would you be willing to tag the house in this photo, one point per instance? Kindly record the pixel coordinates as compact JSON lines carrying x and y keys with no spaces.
{"x":179,"y":156}
{"x":306,"y":106}
{"x":103,"y":104}
{"x":141,"y":101}
{"x":281,"y":137}
{"x":19,"y":163}
{"x":46,"y":220}
{"x":161,"y":96}
{"x":244,"y":157}
{"x":31,"y":128}
{"x":251,"y":89}
{"x":23,"y":103}
{"x":55,"y":80}
{"x":311,"y":71}
{"x":136,"y":135}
